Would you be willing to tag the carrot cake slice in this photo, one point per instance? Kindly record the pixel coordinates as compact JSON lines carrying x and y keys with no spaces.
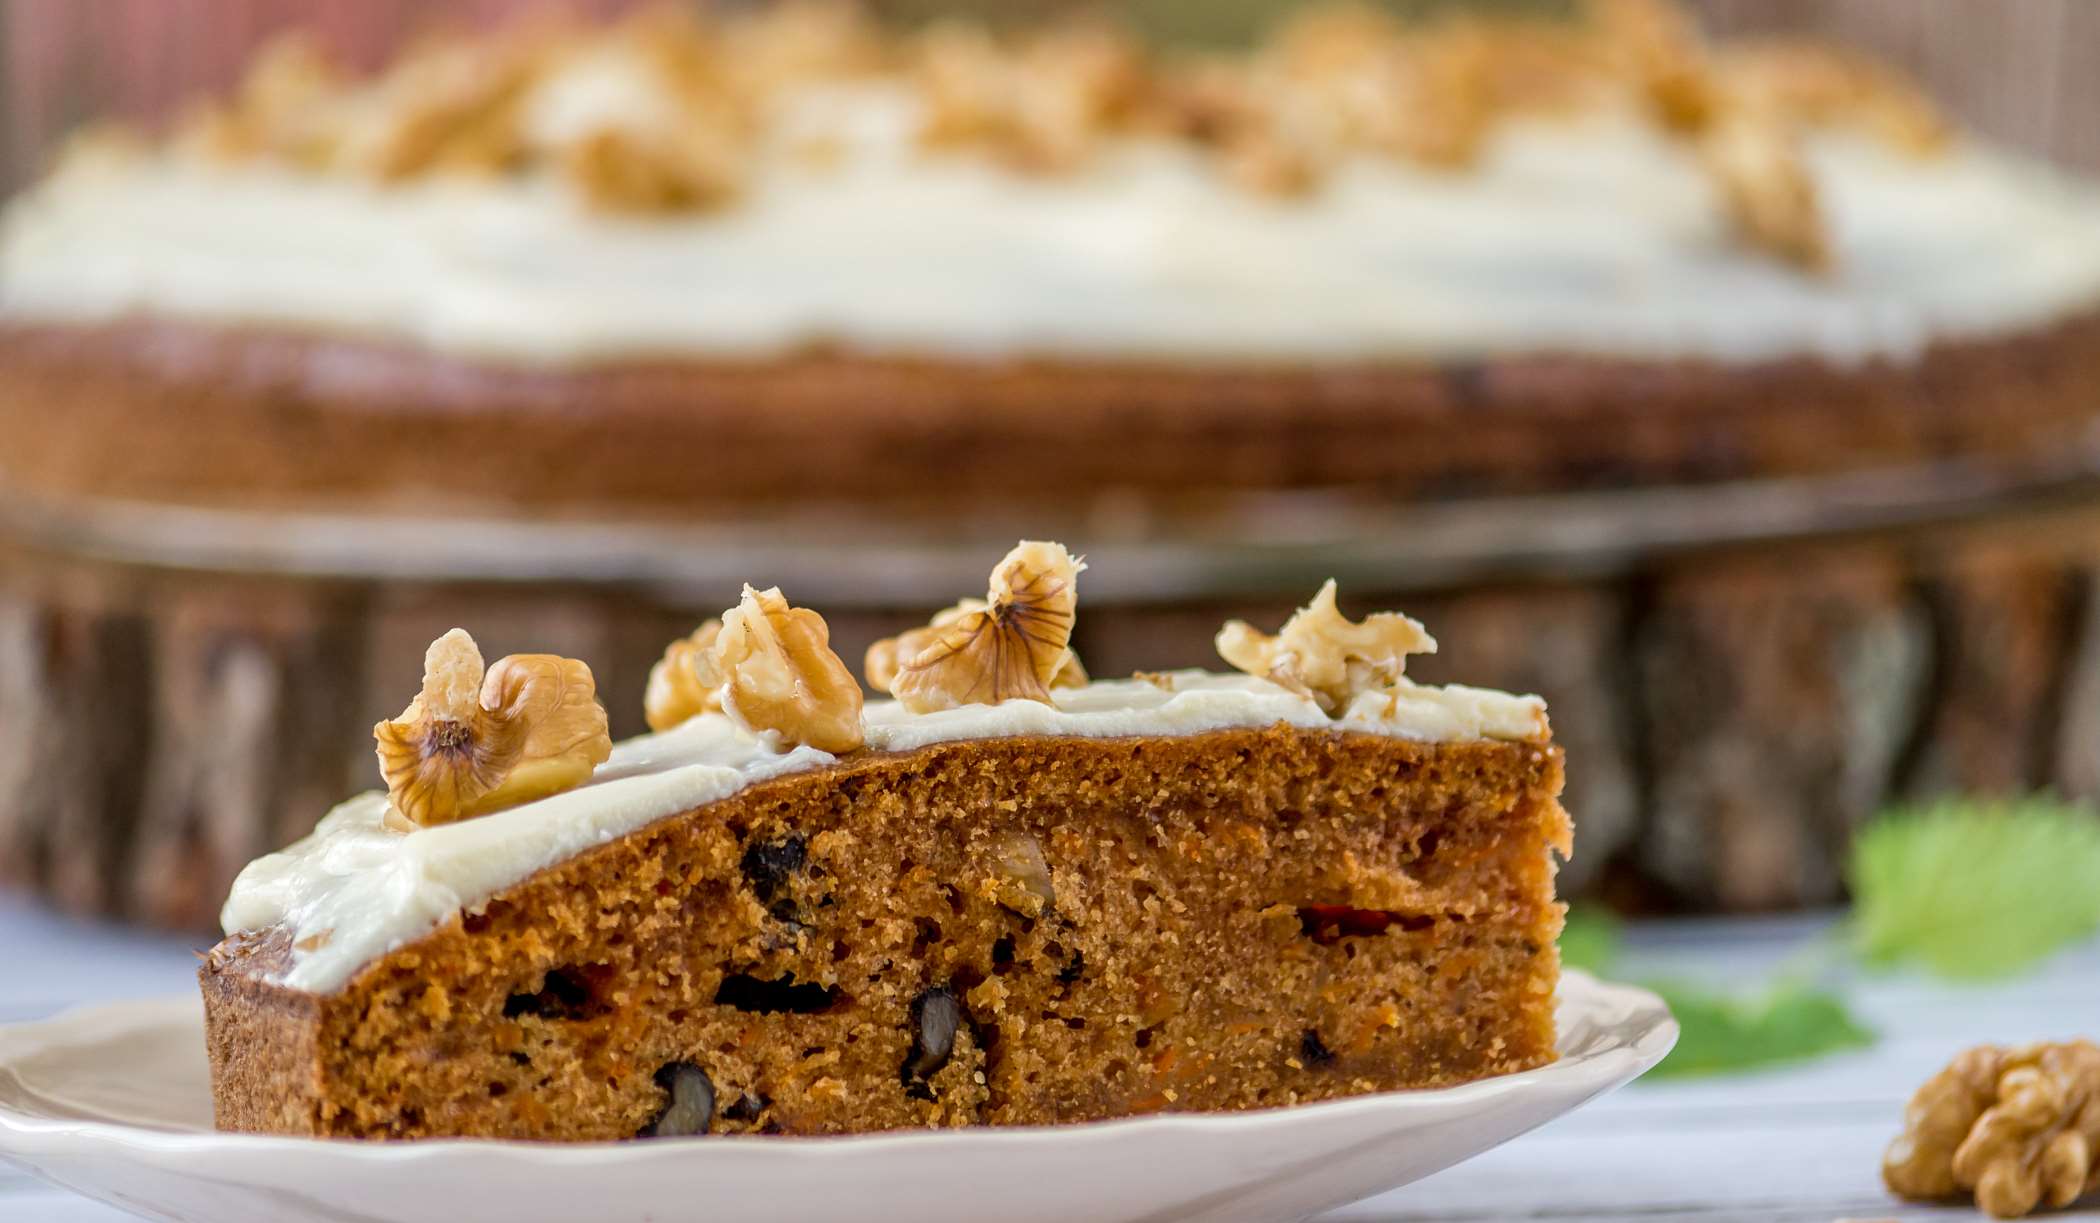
{"x":1007,"y":895}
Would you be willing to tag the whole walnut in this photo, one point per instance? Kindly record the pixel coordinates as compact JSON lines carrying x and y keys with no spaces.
{"x":2016,"y":1128}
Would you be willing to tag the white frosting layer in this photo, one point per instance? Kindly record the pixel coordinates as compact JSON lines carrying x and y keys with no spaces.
{"x":1597,"y":237}
{"x":354,"y":890}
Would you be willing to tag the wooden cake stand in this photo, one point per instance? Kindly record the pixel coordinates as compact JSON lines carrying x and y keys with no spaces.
{"x":1741,"y":673}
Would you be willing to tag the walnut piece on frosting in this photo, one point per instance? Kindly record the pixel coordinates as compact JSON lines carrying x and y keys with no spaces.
{"x":450,"y":104}
{"x":1015,"y":645}
{"x":279,"y":108}
{"x":1320,"y":653}
{"x":1657,"y":46}
{"x":775,"y":671}
{"x":1756,"y":164}
{"x":884,"y":658}
{"x":1815,"y":85}
{"x":651,"y":117}
{"x":1041,"y":105}
{"x":618,"y":170}
{"x":682,"y":683}
{"x":477,"y":739}
{"x":675,"y":110}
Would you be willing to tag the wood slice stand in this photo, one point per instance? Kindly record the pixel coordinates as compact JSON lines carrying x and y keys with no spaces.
{"x":1741,"y":674}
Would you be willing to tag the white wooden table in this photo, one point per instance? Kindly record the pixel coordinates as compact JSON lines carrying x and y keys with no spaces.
{"x":1797,"y":1144}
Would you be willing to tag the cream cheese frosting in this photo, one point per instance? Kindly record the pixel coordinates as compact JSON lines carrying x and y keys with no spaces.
{"x":354,"y":889}
{"x":1593,"y":235}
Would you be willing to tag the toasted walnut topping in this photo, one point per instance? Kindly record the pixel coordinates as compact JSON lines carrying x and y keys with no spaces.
{"x":674,"y":109}
{"x":682,"y":683}
{"x":627,"y":171}
{"x":475,"y":741}
{"x":1321,"y":654}
{"x":1821,"y":86}
{"x":451,"y":104}
{"x":2017,"y":1128}
{"x":1348,"y":77}
{"x":803,"y":40}
{"x":1658,"y":46}
{"x":884,"y":657}
{"x":285,"y":107}
{"x":1043,"y":104}
{"x":777,"y":673}
{"x":1014,"y":646}
{"x":1757,"y":166}
{"x":652,"y":117}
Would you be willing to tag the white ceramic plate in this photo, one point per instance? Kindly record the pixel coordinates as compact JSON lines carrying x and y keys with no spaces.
{"x":115,"y":1103}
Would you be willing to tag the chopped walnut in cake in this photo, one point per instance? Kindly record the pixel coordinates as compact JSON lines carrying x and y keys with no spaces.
{"x":776,"y":674}
{"x":478,"y":739}
{"x":1014,"y":645}
{"x":1322,"y":654}
{"x":2013,"y":1128}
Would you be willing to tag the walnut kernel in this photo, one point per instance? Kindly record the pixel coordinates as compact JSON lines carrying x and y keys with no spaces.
{"x":1319,"y":653}
{"x":682,"y":683}
{"x":619,"y":170}
{"x":884,"y":657}
{"x":450,"y":104}
{"x":1042,"y":105}
{"x":1658,"y":46}
{"x":2017,"y":1128}
{"x":778,"y":674}
{"x":1015,"y":646}
{"x":1813,"y":84}
{"x":477,"y":739}
{"x":1755,"y":161}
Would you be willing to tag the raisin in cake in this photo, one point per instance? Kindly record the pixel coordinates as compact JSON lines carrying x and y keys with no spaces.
{"x":1008,"y":895}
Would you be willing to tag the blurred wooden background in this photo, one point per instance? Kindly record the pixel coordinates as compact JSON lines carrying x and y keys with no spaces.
{"x":2025,"y":71}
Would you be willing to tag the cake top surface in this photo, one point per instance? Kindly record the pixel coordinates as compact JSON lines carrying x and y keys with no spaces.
{"x":496,"y":771}
{"x":1352,"y":189}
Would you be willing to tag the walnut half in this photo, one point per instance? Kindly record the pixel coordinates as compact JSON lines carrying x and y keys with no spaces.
{"x":777,"y":673}
{"x":1320,"y":653}
{"x":477,"y":739}
{"x":1015,"y":645}
{"x":885,"y":658}
{"x":2017,"y":1128}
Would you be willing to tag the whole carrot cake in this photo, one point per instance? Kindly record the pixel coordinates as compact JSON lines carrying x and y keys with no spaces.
{"x":1007,"y":895}
{"x":1472,"y":255}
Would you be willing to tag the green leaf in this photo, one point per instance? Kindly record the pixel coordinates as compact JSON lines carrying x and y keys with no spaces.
{"x":1721,"y":1034}
{"x":1590,"y":940}
{"x":1974,"y":890}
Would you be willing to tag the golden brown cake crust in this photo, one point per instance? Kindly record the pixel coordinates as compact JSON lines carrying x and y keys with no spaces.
{"x":1103,"y":927}
{"x":185,"y":412}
